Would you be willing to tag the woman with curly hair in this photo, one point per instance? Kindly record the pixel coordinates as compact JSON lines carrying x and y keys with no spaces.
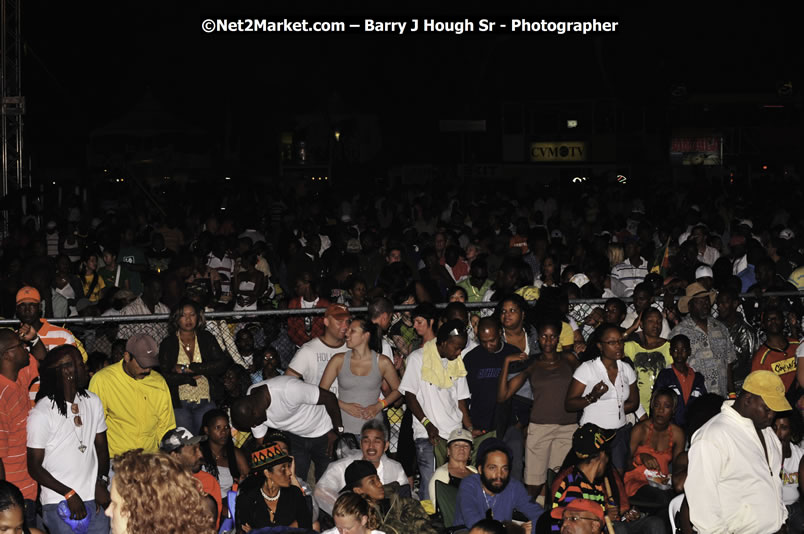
{"x":155,"y":493}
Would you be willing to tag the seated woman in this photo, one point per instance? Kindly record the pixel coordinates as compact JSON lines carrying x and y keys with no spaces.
{"x":655,"y":443}
{"x":267,"y":498}
{"x":282,"y":439}
{"x":787,"y":426}
{"x":360,"y":372}
{"x":222,"y":459}
{"x":353,"y":514}
{"x":459,"y":450}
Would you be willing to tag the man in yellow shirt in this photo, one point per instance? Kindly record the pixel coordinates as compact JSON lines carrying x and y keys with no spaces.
{"x":136,"y":399}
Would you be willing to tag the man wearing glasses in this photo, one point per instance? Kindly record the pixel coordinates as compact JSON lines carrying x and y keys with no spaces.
{"x":580,"y":517}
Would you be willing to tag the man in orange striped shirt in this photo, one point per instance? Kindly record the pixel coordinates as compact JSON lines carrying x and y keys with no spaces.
{"x":29,"y":312}
{"x":17,"y":370}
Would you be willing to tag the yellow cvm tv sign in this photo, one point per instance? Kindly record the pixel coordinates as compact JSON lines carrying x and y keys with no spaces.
{"x":562,"y":151}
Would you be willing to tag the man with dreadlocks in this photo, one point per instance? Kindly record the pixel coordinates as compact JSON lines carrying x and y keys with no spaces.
{"x":67,"y":450}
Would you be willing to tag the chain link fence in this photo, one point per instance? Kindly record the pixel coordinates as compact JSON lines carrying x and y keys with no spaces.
{"x":269,"y":327}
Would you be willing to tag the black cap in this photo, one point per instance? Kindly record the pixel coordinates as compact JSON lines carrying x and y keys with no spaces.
{"x":357,"y":471}
{"x":453,"y":327}
{"x":590,"y":439}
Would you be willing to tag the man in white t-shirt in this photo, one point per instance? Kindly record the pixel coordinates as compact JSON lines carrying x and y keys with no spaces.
{"x":310,"y":415}
{"x":67,"y":450}
{"x":312,"y":358}
{"x":436,"y":391}
{"x":373,"y":445}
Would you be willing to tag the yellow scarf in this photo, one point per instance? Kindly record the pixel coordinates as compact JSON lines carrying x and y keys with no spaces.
{"x":434,"y":372}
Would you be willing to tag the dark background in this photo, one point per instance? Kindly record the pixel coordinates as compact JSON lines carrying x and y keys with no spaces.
{"x":86,"y":65}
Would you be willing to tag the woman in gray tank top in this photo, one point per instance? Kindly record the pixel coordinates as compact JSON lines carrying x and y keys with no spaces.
{"x":360,"y":372}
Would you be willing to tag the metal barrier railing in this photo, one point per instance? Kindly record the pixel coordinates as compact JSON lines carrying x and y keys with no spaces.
{"x":97,"y":333}
{"x":270,"y":327}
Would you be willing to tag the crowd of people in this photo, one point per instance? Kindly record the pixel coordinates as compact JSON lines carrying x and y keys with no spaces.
{"x":465,"y":365}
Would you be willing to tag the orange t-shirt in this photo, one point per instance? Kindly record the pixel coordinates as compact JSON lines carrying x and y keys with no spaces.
{"x":783,"y":363}
{"x":210,"y":486}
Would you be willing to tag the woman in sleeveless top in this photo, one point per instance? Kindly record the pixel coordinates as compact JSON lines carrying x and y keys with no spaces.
{"x":360,"y":372}
{"x":222,"y":459}
{"x":655,"y":443}
{"x":551,"y":427}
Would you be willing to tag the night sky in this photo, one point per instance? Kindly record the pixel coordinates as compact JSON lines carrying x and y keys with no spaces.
{"x":87,"y":65}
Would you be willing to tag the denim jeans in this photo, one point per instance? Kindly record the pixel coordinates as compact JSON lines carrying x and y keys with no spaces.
{"x":425,"y":457}
{"x":98,"y":522}
{"x":795,"y":518}
{"x":32,"y":519}
{"x":189,"y":414}
{"x":309,"y":450}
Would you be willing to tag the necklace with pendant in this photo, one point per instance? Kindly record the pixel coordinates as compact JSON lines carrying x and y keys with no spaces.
{"x":78,"y":423}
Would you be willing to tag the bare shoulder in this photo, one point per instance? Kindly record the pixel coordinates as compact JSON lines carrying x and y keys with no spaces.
{"x":641,"y":428}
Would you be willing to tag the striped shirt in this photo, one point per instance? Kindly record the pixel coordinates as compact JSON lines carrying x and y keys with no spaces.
{"x":52,"y":337}
{"x":14,"y":408}
{"x":571,"y":484}
{"x":630,"y":275}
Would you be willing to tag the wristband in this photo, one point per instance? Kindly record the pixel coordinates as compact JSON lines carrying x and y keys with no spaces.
{"x":383,"y":402}
{"x":425,"y":422}
{"x":69,"y":494}
{"x":732,"y":395}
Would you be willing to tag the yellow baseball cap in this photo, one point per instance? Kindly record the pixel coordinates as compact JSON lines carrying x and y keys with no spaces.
{"x":770,"y":387}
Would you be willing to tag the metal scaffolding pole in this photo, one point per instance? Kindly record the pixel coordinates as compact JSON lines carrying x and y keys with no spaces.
{"x":12,"y":102}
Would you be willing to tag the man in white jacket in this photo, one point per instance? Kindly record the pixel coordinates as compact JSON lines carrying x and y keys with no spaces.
{"x":733,"y":485}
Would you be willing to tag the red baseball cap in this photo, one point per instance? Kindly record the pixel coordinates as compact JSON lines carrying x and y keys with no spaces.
{"x":581,"y":505}
{"x":337,"y":311}
{"x":28,"y":294}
